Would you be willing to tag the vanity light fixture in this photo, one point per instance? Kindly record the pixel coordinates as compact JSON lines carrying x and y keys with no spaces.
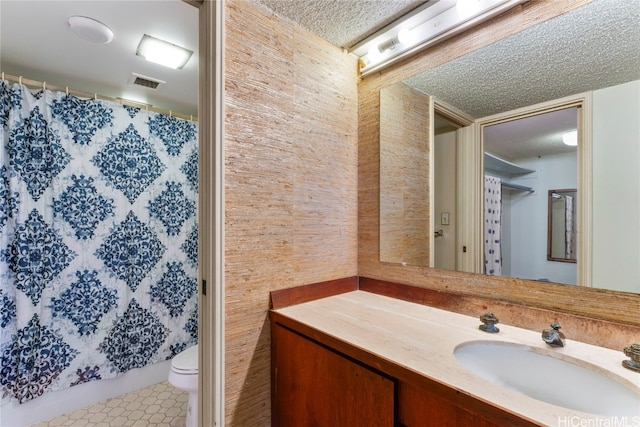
{"x":162,"y":52}
{"x":434,"y":21}
{"x":570,"y":138}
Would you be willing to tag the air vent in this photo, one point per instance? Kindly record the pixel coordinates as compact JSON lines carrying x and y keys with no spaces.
{"x":144,"y":81}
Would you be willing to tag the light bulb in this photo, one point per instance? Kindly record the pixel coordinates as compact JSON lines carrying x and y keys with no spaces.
{"x":406,"y":36}
{"x":468,"y":7}
{"x":374,"y":52}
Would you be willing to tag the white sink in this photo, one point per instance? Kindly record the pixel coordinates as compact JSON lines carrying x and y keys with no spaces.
{"x":569,"y":383}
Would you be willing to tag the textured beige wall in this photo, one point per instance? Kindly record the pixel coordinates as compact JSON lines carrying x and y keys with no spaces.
{"x":404,"y":175}
{"x":290,"y":184}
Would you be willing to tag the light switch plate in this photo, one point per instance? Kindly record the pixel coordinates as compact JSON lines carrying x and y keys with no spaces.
{"x":444,"y":218}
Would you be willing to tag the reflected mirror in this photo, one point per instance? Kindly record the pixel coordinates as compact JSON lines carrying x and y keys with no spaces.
{"x":563,"y":56}
{"x":561,"y":230}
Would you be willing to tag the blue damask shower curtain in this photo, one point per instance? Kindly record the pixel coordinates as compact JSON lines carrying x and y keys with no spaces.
{"x":98,"y":239}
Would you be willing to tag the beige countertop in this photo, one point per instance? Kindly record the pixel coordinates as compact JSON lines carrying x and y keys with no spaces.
{"x":422,"y":339}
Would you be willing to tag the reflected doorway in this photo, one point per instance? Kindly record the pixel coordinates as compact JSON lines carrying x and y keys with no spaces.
{"x":445,"y":183}
{"x":523,"y":159}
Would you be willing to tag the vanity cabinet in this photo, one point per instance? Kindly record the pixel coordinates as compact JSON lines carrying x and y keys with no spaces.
{"x":312,"y":385}
{"x":317,"y":380}
{"x":421,"y":407}
{"x":315,"y":386}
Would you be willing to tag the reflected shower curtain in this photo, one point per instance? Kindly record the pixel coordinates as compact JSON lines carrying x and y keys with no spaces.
{"x":492,"y":224}
{"x":98,"y":239}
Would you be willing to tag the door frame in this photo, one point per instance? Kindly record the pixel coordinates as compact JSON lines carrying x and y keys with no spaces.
{"x":464,"y":121}
{"x":584,"y":104}
{"x":211,"y":327}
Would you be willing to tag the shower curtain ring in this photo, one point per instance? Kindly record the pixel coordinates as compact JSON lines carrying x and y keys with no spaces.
{"x":20,"y":80}
{"x":44,"y":85}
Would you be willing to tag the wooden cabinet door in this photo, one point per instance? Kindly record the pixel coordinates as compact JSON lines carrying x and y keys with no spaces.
{"x":419,"y":407}
{"x":315,"y":386}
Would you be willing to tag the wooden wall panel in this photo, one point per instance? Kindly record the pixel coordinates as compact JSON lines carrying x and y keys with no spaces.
{"x":597,"y":303}
{"x":290,"y":184}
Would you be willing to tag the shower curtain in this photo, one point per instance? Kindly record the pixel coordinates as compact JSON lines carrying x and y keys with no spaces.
{"x":98,"y":239}
{"x":492,"y":224}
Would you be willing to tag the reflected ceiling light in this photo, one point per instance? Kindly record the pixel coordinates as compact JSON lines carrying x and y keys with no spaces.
{"x":434,"y":21}
{"x":162,"y":52}
{"x":570,"y":138}
{"x":90,"y":29}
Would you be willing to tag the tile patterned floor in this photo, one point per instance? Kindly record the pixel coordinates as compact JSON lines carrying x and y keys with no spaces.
{"x":160,"y":405}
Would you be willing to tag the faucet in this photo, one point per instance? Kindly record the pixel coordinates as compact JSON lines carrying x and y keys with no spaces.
{"x":633,"y":352}
{"x":489,"y":321}
{"x":553,"y":336}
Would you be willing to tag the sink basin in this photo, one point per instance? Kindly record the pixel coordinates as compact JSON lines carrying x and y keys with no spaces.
{"x":569,"y":383}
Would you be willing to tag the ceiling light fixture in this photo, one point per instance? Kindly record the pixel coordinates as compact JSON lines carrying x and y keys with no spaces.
{"x":570,"y":138}
{"x":434,"y":21}
{"x":163,"y":53}
{"x":90,"y":29}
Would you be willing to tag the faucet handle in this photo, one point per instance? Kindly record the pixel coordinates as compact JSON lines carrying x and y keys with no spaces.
{"x":553,"y":336}
{"x":633,"y":352}
{"x":489,"y":321}
{"x":555,"y":326}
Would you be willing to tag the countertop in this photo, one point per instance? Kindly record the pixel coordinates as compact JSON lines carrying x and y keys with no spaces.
{"x":422,"y":339}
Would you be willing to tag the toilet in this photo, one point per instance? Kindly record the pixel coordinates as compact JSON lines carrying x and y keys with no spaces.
{"x":184,"y":375}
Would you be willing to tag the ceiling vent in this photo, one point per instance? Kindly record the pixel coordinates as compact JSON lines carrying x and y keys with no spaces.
{"x":144,"y":81}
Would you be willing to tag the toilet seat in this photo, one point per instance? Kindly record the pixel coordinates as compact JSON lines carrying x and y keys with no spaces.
{"x":186,"y":362}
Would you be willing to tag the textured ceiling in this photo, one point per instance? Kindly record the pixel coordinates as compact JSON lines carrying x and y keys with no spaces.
{"x":342,"y":22}
{"x":589,"y":48}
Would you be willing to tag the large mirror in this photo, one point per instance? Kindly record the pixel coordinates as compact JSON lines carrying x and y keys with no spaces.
{"x":561,"y":225}
{"x":558,"y":58}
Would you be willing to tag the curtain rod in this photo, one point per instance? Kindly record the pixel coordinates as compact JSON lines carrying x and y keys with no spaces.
{"x":34,"y":83}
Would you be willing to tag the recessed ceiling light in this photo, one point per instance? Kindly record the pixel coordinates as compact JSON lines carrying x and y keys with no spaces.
{"x":162,"y":52}
{"x":90,"y":29}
